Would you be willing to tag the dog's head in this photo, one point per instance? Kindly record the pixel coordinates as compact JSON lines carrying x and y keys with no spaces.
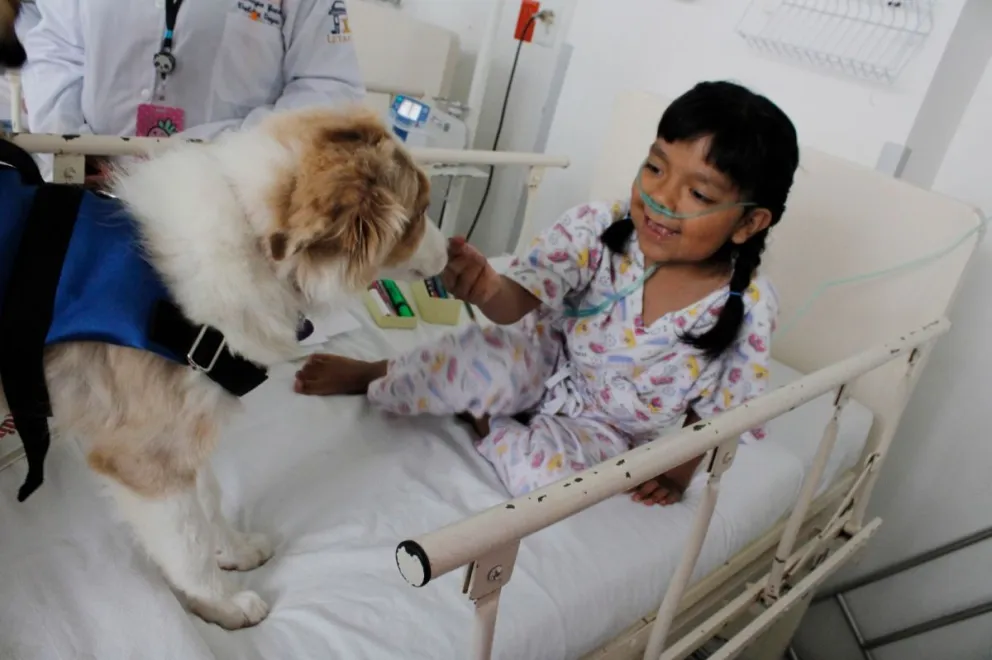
{"x":352,"y":207}
{"x":12,"y":55}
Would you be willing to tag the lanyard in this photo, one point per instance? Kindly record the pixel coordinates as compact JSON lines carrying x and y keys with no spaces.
{"x":165,"y":61}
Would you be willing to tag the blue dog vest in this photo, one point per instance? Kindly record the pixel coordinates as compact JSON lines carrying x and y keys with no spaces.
{"x":72,"y":269}
{"x":107,"y":289}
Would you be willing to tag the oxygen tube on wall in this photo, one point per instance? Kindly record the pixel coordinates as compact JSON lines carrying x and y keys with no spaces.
{"x":892,"y":270}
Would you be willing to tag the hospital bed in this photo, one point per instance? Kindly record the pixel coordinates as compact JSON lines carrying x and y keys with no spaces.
{"x":576,"y":569}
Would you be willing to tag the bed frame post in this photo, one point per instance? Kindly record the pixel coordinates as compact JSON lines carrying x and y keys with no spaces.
{"x":875,"y":459}
{"x":16,"y":101}
{"x":534,"y":178}
{"x":720,"y":460}
{"x":796,"y":596}
{"x":812,"y":481}
{"x":69,"y":168}
{"x":484,"y":580}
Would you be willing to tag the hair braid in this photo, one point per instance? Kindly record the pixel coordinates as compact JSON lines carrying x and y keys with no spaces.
{"x":724,"y":333}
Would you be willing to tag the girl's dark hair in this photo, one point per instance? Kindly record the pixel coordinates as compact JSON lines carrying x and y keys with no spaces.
{"x":754,"y":144}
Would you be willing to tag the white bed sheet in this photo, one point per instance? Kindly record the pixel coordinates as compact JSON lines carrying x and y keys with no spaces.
{"x":339,"y":485}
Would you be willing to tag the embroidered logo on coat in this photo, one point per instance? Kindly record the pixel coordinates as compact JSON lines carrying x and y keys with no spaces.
{"x":340,"y":30}
{"x":268,"y":12}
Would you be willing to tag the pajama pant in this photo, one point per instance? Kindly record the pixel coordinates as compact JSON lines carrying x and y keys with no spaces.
{"x":501,"y":372}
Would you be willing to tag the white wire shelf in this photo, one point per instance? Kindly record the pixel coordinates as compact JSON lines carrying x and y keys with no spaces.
{"x":867,"y":39}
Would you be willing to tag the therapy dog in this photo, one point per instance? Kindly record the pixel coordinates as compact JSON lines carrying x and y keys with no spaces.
{"x":137,"y":318}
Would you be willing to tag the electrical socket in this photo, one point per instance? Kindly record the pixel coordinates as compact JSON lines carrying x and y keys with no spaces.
{"x":546,"y":31}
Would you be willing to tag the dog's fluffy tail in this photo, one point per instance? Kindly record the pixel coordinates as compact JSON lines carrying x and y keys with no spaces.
{"x":12,"y":55}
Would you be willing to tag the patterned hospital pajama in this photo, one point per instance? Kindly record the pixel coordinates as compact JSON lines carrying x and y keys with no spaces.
{"x":502,"y":372}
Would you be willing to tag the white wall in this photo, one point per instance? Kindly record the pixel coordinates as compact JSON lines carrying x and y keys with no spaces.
{"x":665,"y":46}
{"x":936,"y":484}
{"x":468,"y":19}
{"x":950,"y":93}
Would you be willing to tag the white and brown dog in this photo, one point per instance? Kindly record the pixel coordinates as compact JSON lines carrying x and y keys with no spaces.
{"x":243,"y":234}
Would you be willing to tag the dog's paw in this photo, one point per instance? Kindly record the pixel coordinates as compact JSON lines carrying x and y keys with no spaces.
{"x":244,"y":552}
{"x":242,"y":610}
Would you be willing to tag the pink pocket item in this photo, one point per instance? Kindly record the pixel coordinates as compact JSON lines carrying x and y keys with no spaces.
{"x":159,"y":120}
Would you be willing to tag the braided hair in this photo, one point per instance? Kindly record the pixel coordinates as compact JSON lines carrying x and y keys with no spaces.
{"x":754,"y":144}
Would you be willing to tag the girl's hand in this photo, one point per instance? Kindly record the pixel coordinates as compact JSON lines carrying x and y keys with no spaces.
{"x":469,"y":276}
{"x":660,"y":490}
{"x":668,"y":488}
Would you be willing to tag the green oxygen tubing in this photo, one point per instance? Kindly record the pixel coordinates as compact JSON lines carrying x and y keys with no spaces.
{"x":913,"y":264}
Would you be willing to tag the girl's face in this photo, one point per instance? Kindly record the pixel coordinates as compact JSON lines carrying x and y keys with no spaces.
{"x":677,"y":176}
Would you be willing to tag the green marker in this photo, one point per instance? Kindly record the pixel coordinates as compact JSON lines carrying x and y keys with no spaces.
{"x":396,"y":298}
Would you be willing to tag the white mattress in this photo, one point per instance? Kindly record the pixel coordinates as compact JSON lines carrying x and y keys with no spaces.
{"x":339,"y":485}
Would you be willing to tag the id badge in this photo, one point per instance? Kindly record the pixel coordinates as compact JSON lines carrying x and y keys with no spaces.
{"x":159,"y":121}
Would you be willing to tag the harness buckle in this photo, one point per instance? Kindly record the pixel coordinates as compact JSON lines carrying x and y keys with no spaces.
{"x":196,"y":344}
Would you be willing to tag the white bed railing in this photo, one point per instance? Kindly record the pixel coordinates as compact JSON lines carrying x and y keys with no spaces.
{"x":70,"y":153}
{"x":487,"y":543}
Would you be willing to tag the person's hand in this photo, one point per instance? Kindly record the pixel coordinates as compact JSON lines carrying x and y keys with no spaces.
{"x":668,"y":488}
{"x":660,"y":490}
{"x":469,"y":276}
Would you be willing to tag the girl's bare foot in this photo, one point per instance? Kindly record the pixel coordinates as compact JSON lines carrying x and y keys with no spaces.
{"x":325,"y":375}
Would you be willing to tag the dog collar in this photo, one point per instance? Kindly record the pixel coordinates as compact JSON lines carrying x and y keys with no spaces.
{"x":205,"y":350}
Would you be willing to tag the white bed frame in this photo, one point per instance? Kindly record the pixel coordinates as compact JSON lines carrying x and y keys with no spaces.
{"x":868,"y":341}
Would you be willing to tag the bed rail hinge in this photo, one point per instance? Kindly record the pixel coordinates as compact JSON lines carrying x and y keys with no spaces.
{"x":484,"y":580}
{"x":721,"y":458}
{"x":491,"y":572}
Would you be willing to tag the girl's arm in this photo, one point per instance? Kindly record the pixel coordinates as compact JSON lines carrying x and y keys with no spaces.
{"x":739,"y":375}
{"x":668,"y":488}
{"x":470,"y":277}
{"x":510,"y":303}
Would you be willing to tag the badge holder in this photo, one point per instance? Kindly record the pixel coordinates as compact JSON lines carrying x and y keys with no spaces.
{"x":157,"y":120}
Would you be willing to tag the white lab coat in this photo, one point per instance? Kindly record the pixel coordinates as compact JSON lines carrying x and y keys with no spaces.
{"x":90,"y":62}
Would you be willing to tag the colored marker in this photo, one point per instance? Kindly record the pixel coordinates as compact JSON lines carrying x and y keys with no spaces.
{"x":381,"y":291}
{"x":431,"y":289}
{"x":380,"y":301}
{"x":396,"y":298}
{"x":439,"y":285}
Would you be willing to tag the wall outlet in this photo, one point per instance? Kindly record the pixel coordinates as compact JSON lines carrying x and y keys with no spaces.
{"x":546,"y":31}
{"x":527,"y":10}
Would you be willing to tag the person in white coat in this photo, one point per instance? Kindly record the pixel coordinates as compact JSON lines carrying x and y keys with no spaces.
{"x":190,"y":67}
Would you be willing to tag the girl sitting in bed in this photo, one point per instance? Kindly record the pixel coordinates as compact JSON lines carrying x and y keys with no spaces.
{"x":623,"y":318}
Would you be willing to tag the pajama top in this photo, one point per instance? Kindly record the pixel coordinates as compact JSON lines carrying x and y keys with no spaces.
{"x":637,"y":379}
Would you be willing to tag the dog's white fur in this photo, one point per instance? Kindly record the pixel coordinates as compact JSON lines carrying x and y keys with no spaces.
{"x":207,"y":214}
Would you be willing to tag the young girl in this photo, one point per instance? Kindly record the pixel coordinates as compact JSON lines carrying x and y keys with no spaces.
{"x":623,"y":318}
